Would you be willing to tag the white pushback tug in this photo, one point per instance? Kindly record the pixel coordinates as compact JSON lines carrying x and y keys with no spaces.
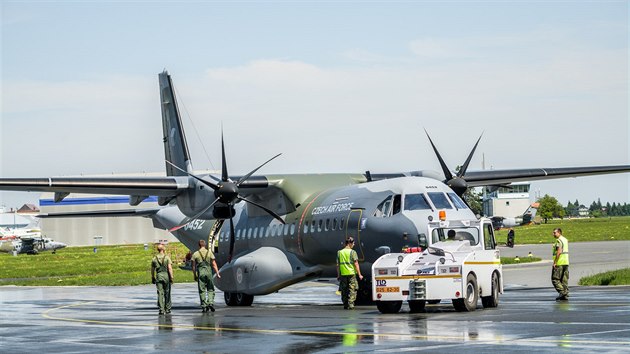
{"x":461,"y":263}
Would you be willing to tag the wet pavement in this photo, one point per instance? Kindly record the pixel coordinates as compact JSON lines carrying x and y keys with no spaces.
{"x":307,"y":318}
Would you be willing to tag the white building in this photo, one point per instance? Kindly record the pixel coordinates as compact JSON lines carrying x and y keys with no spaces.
{"x":507,"y":202}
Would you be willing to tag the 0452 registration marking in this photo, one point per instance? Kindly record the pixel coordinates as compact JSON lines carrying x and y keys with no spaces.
{"x":388,"y":289}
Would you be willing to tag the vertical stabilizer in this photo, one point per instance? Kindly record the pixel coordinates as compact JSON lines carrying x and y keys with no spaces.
{"x":175,"y":147}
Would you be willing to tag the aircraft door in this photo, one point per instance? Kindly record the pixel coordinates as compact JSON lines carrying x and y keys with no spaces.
{"x":353,"y":228}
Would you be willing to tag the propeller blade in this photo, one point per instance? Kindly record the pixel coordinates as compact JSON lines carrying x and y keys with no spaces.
{"x":231,"y":240}
{"x":462,"y":170}
{"x":189,"y":219}
{"x":269,"y":211}
{"x":224,"y":171}
{"x":244,"y":178}
{"x":447,"y":173}
{"x":207,"y":183}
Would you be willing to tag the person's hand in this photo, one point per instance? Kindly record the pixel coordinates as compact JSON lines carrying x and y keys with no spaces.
{"x":218,"y":275}
{"x":360,"y":277}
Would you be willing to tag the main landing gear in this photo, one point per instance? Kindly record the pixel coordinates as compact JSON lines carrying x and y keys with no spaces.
{"x":238,"y":299}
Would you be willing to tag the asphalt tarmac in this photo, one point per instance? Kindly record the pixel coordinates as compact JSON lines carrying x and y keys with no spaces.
{"x":309,"y":318}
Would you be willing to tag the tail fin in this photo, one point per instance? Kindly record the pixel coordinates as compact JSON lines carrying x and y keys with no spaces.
{"x":175,"y":147}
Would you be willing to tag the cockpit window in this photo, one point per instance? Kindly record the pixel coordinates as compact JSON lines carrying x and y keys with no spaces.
{"x":457,"y":201}
{"x":416,"y":202}
{"x":439,"y":200}
{"x":388,"y":207}
{"x":383,"y":209}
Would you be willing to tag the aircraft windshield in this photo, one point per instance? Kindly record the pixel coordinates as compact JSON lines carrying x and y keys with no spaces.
{"x":439,"y":200}
{"x":416,"y":202}
{"x":457,"y":201}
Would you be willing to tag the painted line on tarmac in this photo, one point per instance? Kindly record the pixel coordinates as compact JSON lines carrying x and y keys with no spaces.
{"x":47,"y":314}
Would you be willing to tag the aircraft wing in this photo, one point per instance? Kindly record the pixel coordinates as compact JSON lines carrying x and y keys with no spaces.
{"x":100,"y":213}
{"x":156,"y":186}
{"x":499,"y":177}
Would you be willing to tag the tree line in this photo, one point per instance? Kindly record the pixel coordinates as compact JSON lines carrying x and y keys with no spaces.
{"x":549,"y":207}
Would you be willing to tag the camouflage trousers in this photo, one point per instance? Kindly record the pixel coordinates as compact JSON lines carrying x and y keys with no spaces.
{"x":164,"y":295}
{"x":560,"y":279}
{"x":349,"y":286}
{"x":206,"y":290}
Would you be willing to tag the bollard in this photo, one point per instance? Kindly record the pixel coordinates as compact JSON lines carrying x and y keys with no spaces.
{"x":95,"y":249}
{"x":146,"y":247}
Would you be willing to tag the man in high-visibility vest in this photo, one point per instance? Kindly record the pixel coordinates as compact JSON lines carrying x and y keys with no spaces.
{"x":347,"y":271}
{"x":560,"y":271}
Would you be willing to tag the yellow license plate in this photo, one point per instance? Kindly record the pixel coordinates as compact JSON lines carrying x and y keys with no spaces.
{"x":388,"y":289}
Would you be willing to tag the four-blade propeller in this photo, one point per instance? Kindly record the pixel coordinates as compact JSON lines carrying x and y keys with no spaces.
{"x":226,"y":194}
{"x":457,"y":183}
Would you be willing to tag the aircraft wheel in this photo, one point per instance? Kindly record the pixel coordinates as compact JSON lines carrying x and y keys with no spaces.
{"x":244,"y":299}
{"x":471,"y":296}
{"x":416,"y":305}
{"x":230,"y":298}
{"x":389,"y":306}
{"x":493,"y":299}
{"x":364,"y":294}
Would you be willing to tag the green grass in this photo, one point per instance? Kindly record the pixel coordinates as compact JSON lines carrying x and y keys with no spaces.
{"x":575,"y":230}
{"x":615,"y":277}
{"x":131,"y":264}
{"x":111,"y":265}
{"x":511,"y":260}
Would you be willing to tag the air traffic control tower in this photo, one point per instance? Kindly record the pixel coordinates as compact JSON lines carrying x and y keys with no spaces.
{"x":507,"y":201}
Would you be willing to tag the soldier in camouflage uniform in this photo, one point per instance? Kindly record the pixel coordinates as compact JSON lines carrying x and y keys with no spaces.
{"x":347,"y":271}
{"x":202,"y":260}
{"x":162,"y":277}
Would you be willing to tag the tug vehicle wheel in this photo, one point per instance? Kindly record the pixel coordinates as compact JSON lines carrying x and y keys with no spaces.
{"x":389,"y":306}
{"x":416,"y":305}
{"x":493,"y":299}
{"x":471,"y":295}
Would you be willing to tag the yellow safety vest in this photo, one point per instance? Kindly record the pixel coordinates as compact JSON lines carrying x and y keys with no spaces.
{"x":564,"y":256}
{"x":346,"y":265}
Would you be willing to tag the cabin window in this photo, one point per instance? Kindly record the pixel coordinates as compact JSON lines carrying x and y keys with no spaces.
{"x":342,"y":224}
{"x":488,"y":237}
{"x":327,"y":225}
{"x":292,"y":229}
{"x":334,"y":224}
{"x":312,"y":226}
{"x":306,"y":227}
{"x":416,"y":202}
{"x":238,"y":234}
{"x":255,"y":232}
{"x":249,"y":233}
{"x":267,"y":231}
{"x":273,"y":231}
{"x":457,"y":201}
{"x":439,"y":200}
{"x":319,"y":225}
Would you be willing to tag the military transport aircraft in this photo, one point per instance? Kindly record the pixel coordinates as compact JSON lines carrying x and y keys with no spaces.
{"x":276,"y":230}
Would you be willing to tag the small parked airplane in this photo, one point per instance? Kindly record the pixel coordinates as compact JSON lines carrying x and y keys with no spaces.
{"x":283,"y":229}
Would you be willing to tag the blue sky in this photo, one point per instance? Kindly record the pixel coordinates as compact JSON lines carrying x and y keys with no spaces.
{"x":335,"y":86}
